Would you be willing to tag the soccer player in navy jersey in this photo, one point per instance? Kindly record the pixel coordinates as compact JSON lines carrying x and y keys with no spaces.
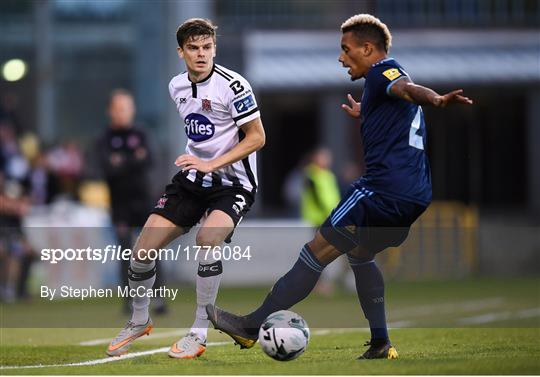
{"x":381,"y":205}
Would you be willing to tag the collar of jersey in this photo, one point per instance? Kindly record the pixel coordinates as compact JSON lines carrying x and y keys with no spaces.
{"x":205,"y":79}
{"x":382,"y":61}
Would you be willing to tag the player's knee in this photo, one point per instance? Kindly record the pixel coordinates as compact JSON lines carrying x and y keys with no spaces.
{"x":208,"y":238}
{"x":360,"y":259}
{"x":360,"y":254}
{"x":315,"y":254}
{"x":322,"y":250}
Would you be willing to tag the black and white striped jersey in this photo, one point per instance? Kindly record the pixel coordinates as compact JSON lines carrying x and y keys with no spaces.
{"x":212,"y":112}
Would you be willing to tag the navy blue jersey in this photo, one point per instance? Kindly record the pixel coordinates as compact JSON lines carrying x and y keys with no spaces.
{"x":394,"y":138}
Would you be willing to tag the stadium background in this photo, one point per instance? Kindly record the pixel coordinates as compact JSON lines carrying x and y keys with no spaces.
{"x":485,"y":218}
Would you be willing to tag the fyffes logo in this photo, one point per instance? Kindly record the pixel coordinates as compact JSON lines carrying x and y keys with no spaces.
{"x":198,"y":127}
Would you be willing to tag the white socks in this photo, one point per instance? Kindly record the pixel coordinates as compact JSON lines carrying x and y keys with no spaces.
{"x":141,"y":274}
{"x":208,"y":279}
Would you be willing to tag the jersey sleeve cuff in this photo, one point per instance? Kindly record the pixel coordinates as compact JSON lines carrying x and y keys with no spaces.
{"x":392,"y":83}
{"x":249,"y":116}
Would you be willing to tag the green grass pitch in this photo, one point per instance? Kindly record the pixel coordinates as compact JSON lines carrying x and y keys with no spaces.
{"x":465,"y":327}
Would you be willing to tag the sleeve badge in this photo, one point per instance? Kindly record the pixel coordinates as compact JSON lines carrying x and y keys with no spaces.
{"x":392,"y":74}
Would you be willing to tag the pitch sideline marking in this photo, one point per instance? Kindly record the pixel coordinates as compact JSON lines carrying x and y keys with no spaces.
{"x":166,"y":334}
{"x":470,"y":305}
{"x":149,"y":352}
{"x":103,"y":360}
{"x":500,"y":316}
{"x":158,"y":335}
{"x":454,"y":306}
{"x":486,"y":318}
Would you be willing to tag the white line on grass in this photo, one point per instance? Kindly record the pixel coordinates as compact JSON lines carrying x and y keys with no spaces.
{"x":104,"y":360}
{"x":464,"y":306}
{"x":159,"y":335}
{"x":453,"y":306}
{"x":486,"y":318}
{"x":400,"y":324}
{"x":150,"y":352}
{"x":500,"y":316}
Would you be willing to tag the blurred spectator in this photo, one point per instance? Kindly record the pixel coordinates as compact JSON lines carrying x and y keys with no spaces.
{"x":66,"y":162}
{"x":15,"y":253}
{"x":8,"y":111}
{"x":321,"y":193}
{"x":125,"y":161}
{"x":293,"y":187}
{"x":43,"y":184}
{"x":12,"y":162}
{"x":319,"y":196}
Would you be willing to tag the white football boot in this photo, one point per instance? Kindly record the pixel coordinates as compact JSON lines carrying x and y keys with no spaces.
{"x":189,"y":347}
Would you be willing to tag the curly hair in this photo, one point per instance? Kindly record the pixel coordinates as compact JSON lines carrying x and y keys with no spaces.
{"x":368,"y":27}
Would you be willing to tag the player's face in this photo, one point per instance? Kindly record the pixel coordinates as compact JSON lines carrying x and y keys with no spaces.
{"x":198,"y":53}
{"x":121,"y":111}
{"x":354,"y":55}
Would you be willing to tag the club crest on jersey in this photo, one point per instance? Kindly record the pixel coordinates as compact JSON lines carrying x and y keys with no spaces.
{"x":206,"y":105}
{"x":161,"y":202}
{"x":198,"y":127}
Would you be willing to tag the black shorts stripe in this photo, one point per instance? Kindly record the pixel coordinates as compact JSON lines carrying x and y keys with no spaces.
{"x":216,"y":179}
{"x":234,"y":179}
{"x":250,"y":174}
{"x":199,"y":178}
{"x":246,"y":114}
{"x":222,"y":73}
{"x":247,"y":166}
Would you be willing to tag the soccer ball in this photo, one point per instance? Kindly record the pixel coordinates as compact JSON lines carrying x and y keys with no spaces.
{"x":284,"y":335}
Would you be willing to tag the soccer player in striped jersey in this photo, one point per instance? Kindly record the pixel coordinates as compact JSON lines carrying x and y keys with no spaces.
{"x":217,"y":180}
{"x":381,"y":205}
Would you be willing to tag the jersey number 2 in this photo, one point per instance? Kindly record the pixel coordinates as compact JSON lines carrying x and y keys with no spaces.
{"x":416,"y":140}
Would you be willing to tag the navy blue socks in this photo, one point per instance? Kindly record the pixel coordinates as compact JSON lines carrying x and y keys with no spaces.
{"x":370,"y":290}
{"x":290,"y":289}
{"x":296,"y":285}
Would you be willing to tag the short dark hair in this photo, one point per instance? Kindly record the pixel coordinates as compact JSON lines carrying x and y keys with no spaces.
{"x":368,"y":27}
{"x":119,"y":92}
{"x":195,"y":27}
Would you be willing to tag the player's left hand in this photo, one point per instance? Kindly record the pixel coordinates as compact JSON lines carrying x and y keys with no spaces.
{"x":189,"y":162}
{"x":452,"y":97}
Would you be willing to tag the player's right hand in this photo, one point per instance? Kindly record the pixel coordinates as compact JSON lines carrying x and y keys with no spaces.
{"x":189,"y":162}
{"x":354,"y":109}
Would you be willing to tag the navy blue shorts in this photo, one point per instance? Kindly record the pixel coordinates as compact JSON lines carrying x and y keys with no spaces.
{"x":365,"y":223}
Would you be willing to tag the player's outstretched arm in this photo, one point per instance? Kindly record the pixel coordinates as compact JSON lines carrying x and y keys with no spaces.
{"x":253,"y":141}
{"x":421,"y":95}
{"x":353,"y":109}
